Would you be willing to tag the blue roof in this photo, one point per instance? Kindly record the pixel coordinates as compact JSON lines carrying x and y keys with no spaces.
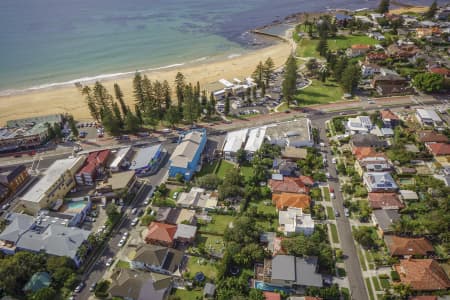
{"x":341,"y":17}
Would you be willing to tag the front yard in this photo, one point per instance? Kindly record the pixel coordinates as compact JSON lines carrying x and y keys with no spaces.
{"x":320,"y":93}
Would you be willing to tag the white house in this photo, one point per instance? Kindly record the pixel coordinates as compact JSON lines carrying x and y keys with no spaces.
{"x":359,"y":124}
{"x":233,"y":143}
{"x":368,"y":69}
{"x":428,"y":117}
{"x":254,"y":141}
{"x":293,"y":221}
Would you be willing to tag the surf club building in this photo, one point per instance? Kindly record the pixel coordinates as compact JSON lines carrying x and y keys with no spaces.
{"x":186,"y":158}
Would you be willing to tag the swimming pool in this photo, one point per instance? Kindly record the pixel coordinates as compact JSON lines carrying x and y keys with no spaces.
{"x":270,"y":288}
{"x":76,"y":205}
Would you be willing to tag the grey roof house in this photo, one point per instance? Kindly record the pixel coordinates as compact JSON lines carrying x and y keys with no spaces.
{"x":366,"y":140}
{"x":384,"y":218}
{"x":379,"y":182}
{"x":290,"y":271}
{"x":156,"y":258}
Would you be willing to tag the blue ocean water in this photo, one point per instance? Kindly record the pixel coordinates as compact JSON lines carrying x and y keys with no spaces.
{"x":43,"y":42}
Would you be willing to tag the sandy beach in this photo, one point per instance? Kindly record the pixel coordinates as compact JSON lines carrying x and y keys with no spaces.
{"x":69,"y":99}
{"x":414,"y":9}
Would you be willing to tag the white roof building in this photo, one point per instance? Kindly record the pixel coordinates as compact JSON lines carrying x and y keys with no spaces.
{"x":293,"y":220}
{"x":295,"y":133}
{"x":359,"y":124}
{"x":255,"y":140}
{"x":119,"y":158}
{"x":428,"y":117}
{"x":234,"y":142}
{"x":197,"y":197}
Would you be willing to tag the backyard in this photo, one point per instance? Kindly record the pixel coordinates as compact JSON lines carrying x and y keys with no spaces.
{"x":188,"y":295}
{"x":223,"y":168}
{"x":217,"y":225}
{"x":200,"y":264}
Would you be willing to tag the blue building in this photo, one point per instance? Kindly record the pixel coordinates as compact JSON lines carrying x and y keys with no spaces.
{"x":185,"y":160}
{"x":146,"y":160}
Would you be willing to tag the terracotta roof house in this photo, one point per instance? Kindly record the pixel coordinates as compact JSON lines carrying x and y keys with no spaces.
{"x":429,"y":136}
{"x":389,"y":118}
{"x":288,"y":185}
{"x":422,"y":274}
{"x":438,"y":149}
{"x":441,"y":71}
{"x":307,"y":180}
{"x":161,"y":234}
{"x":271,"y":296}
{"x":363,"y":152}
{"x":357,"y":50}
{"x":404,"y":246}
{"x":284,"y":200}
{"x":402,"y":51}
{"x":385,"y":201}
{"x":423,"y":297}
{"x":375,"y":57}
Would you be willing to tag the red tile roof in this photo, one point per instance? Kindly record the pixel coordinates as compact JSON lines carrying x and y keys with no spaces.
{"x":376,"y":56}
{"x":364,"y":152}
{"x":438,"y":149}
{"x":288,"y":185}
{"x":388,"y":114}
{"x":285,"y":200}
{"x":422,"y":274}
{"x":384,"y":201}
{"x":401,"y":246}
{"x":423,"y":298}
{"x":272,"y":296}
{"x":161,"y":232}
{"x":307,"y":180}
{"x":95,"y":159}
{"x":361,"y":47}
{"x":428,"y":136}
{"x":440,"y":71}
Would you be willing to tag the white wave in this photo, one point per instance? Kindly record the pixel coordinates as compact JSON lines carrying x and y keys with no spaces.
{"x":234,"y":55}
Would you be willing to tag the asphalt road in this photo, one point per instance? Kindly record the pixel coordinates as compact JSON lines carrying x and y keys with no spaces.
{"x":352,"y":266}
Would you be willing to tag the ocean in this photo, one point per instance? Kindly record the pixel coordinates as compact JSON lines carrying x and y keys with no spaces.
{"x":46,"y":43}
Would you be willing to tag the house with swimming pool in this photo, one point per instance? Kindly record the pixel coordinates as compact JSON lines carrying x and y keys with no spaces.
{"x":186,"y":158}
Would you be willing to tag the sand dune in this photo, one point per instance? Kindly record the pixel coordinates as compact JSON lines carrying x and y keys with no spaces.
{"x":69,"y":99}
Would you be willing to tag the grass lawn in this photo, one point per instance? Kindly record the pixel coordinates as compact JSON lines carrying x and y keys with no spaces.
{"x":283,"y":106}
{"x":123,"y":264}
{"x":188,"y":295}
{"x":334,"y":233}
{"x":246,"y":171}
{"x":198,"y":264}
{"x":361,"y":260}
{"x":384,"y":283}
{"x":265,"y":206}
{"x":345,"y":293}
{"x":173,"y":191}
{"x":307,"y":48}
{"x":320,"y":93}
{"x":326,"y":194}
{"x":344,"y":42}
{"x":369,"y":287}
{"x":223,"y":168}
{"x":218,"y":224}
{"x":376,"y":284}
{"x":207,"y":168}
{"x":213,"y":242}
{"x":330,"y":213}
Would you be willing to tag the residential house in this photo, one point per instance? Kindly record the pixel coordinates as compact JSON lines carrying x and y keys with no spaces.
{"x":26,"y":233}
{"x":429,"y":136}
{"x":438,"y":149}
{"x":175,"y":216}
{"x":288,"y":185}
{"x":375,"y":162}
{"x":57,"y":181}
{"x":342,"y":20}
{"x":285,"y":167}
{"x":379,"y":182}
{"x":185,"y":159}
{"x":185,"y":234}
{"x":359,"y":124}
{"x":11,"y":179}
{"x":402,"y":51}
{"x":94,"y":166}
{"x":161,"y":234}
{"x":291,"y":271}
{"x":255,"y":140}
{"x":391,"y":84}
{"x":408,"y":195}
{"x":297,"y":133}
{"x":376,"y":57}
{"x":136,"y":285}
{"x":423,"y":297}
{"x":377,"y":35}
{"x":38,"y":281}
{"x":366,"y":140}
{"x":384,"y":201}
{"x":147,"y":159}
{"x":357,"y":50}
{"x":440,"y":71}
{"x":234,"y":142}
{"x":407,"y":246}
{"x":390,"y":120}
{"x":422,"y":32}
{"x":293,"y":221}
{"x":198,"y":198}
{"x":156,"y":258}
{"x":422,"y":274}
{"x":271,"y":295}
{"x":285,"y":200}
{"x":383,"y":219}
{"x":369,"y":69}
{"x":428,"y":117}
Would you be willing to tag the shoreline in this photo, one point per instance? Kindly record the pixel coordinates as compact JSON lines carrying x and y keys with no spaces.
{"x":67,"y":98}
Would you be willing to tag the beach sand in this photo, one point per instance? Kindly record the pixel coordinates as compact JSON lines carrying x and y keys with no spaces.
{"x":414,"y":9}
{"x":69,"y":99}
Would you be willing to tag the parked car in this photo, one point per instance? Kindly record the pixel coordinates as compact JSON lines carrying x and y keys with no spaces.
{"x":79,"y":287}
{"x":333,"y":160}
{"x":93,"y":286}
{"x":135,"y":221}
{"x":336,"y":213}
{"x":134,"y":211}
{"x":346,"y":212}
{"x":121,"y":243}
{"x":175,"y":195}
{"x":109,"y":262}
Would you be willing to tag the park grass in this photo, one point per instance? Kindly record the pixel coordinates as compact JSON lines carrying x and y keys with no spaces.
{"x":334,"y":233}
{"x":346,"y":41}
{"x":207,"y":168}
{"x":223,"y":168}
{"x":330,"y":213}
{"x":384,"y":283}
{"x":307,"y":48}
{"x":376,"y":284}
{"x":195,"y":265}
{"x":217,"y":225}
{"x":188,"y":295}
{"x":326,"y":194}
{"x":320,"y":93}
{"x":361,"y":260}
{"x":369,"y":288}
{"x":121,"y":264}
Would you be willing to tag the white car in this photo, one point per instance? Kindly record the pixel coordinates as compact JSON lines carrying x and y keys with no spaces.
{"x":125,"y":235}
{"x":146,"y":202}
{"x":109,"y":262}
{"x":333,"y":160}
{"x":175,"y":195}
{"x":134,"y":221}
{"x":121,"y":243}
{"x":332,"y":196}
